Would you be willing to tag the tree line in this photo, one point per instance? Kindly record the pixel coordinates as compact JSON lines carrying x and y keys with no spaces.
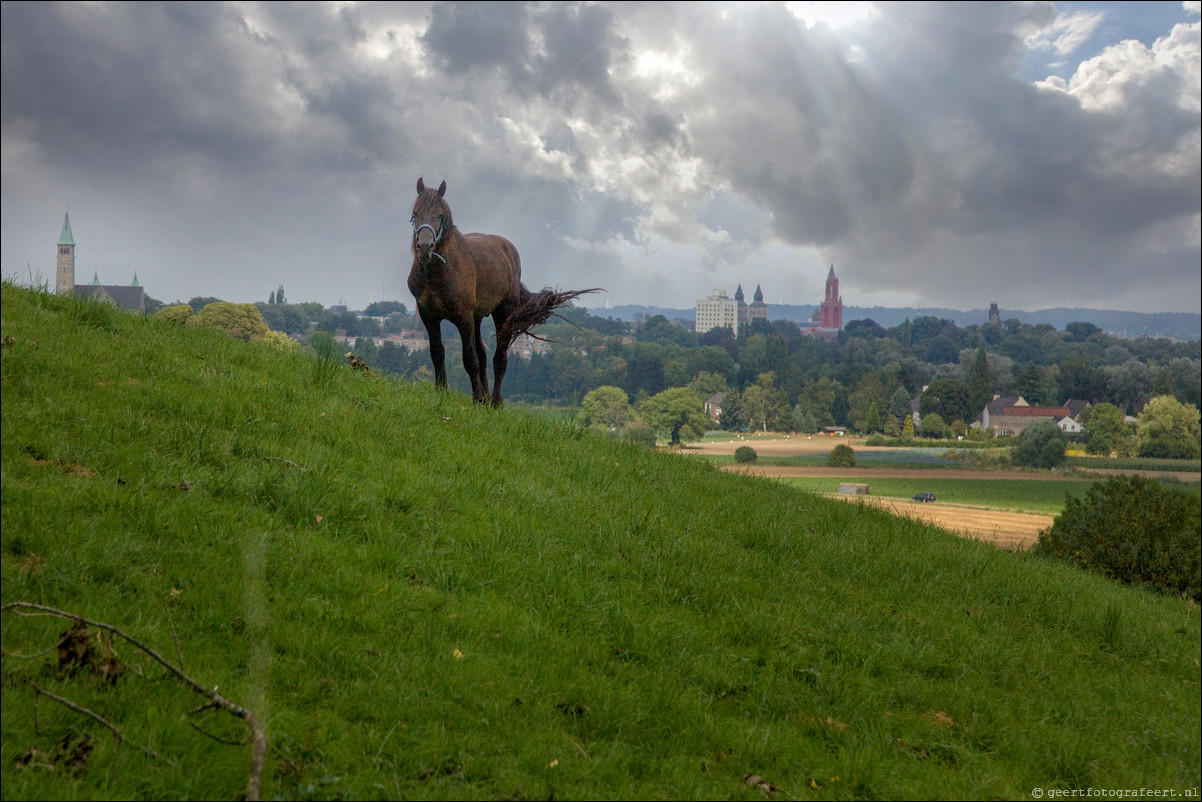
{"x":774,"y":377}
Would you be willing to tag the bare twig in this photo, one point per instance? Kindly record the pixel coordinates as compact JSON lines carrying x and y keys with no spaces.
{"x":286,"y":462}
{"x":29,"y":656}
{"x":258,"y":735}
{"x":218,"y":738}
{"x":113,"y":727}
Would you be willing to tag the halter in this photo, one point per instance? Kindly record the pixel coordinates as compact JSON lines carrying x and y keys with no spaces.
{"x":437,"y":236}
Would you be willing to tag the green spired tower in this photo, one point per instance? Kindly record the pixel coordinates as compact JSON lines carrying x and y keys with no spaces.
{"x":65,"y":279}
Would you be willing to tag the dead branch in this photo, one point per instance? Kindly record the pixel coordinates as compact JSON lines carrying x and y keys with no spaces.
{"x":113,"y":727}
{"x":258,"y":735}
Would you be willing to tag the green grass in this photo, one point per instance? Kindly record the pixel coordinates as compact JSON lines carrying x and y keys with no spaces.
{"x":1133,"y":464}
{"x":1029,"y":495}
{"x":421,"y":597}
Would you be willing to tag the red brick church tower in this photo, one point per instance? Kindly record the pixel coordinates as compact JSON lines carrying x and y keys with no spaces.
{"x":831,"y":311}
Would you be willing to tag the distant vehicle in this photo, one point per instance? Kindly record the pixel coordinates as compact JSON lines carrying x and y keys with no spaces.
{"x":924,"y":497}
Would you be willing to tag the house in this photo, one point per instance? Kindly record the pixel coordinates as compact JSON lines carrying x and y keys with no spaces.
{"x":527,"y":345}
{"x":985,"y":421}
{"x":1010,"y":415}
{"x":1069,"y":425}
{"x":713,"y":405}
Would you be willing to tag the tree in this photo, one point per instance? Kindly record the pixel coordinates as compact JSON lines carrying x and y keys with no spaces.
{"x":1041,"y":445}
{"x":705,"y":384}
{"x":873,"y":422}
{"x":947,"y":398}
{"x":1108,"y":432}
{"x":242,"y":321}
{"x":908,"y":428}
{"x":762,"y":400}
{"x":815,"y":405}
{"x":180,"y":313}
{"x":934,"y":426}
{"x":1029,"y":383}
{"x":385,"y":308}
{"x":980,"y":389}
{"x":1168,"y":429}
{"x":608,"y":407}
{"x":899,"y":404}
{"x":676,"y":412}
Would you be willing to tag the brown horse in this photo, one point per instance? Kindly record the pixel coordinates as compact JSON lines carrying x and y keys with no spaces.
{"x":464,"y":278}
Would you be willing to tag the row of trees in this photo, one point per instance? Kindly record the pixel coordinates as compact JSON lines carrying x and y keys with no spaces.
{"x":774,"y":377}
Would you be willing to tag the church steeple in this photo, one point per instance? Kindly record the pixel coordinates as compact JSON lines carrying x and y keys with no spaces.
{"x":64,"y":280}
{"x":831,"y":309}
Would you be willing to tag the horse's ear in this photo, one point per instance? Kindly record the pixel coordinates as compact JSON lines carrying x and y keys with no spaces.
{"x":421,"y":186}
{"x":442,"y":189}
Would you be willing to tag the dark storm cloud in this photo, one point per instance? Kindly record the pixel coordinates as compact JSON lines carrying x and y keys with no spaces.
{"x":656,"y":146}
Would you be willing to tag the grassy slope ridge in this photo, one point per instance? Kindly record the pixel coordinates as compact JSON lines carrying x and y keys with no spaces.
{"x":426,"y":598}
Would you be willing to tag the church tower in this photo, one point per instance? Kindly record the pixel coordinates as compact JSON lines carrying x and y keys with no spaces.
{"x":65,"y":274}
{"x":831,"y":311}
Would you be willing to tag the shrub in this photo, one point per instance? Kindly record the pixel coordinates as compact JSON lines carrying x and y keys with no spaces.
{"x":640,"y":433}
{"x":842,"y":456}
{"x":745,"y":454}
{"x":1042,"y":445}
{"x":1135,"y":530}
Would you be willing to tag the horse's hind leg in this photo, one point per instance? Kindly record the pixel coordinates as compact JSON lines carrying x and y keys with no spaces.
{"x":500,"y":361}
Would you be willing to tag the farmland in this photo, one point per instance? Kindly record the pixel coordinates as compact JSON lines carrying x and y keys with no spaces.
{"x":1006,"y":507}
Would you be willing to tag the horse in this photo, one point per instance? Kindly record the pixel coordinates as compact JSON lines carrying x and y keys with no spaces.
{"x":465,"y":278}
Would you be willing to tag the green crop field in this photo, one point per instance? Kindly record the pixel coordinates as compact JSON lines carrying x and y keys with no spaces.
{"x":418,"y":597}
{"x":1029,"y":495}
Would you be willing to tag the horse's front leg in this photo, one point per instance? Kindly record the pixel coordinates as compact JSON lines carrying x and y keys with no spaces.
{"x":438,"y":352}
{"x":469,"y":332}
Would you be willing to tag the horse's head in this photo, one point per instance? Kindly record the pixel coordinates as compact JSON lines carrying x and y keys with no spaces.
{"x":431,"y":220}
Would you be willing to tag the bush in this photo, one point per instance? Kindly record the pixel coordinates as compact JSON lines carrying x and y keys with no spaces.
{"x":745,"y":454}
{"x":1135,"y":530}
{"x":640,"y":433}
{"x":842,"y":456}
{"x":1042,"y":445}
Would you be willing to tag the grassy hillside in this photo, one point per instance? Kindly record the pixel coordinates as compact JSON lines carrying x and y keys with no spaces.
{"x":420,"y":597}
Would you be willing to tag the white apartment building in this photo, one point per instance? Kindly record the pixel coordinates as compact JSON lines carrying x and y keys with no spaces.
{"x":716,"y":312}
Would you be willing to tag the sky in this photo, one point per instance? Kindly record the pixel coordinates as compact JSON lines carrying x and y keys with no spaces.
{"x":1035,"y":155}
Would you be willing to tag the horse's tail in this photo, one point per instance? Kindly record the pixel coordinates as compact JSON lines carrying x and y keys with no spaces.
{"x":534,"y":309}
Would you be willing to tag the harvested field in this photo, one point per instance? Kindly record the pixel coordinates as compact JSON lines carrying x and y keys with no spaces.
{"x":1009,"y":530}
